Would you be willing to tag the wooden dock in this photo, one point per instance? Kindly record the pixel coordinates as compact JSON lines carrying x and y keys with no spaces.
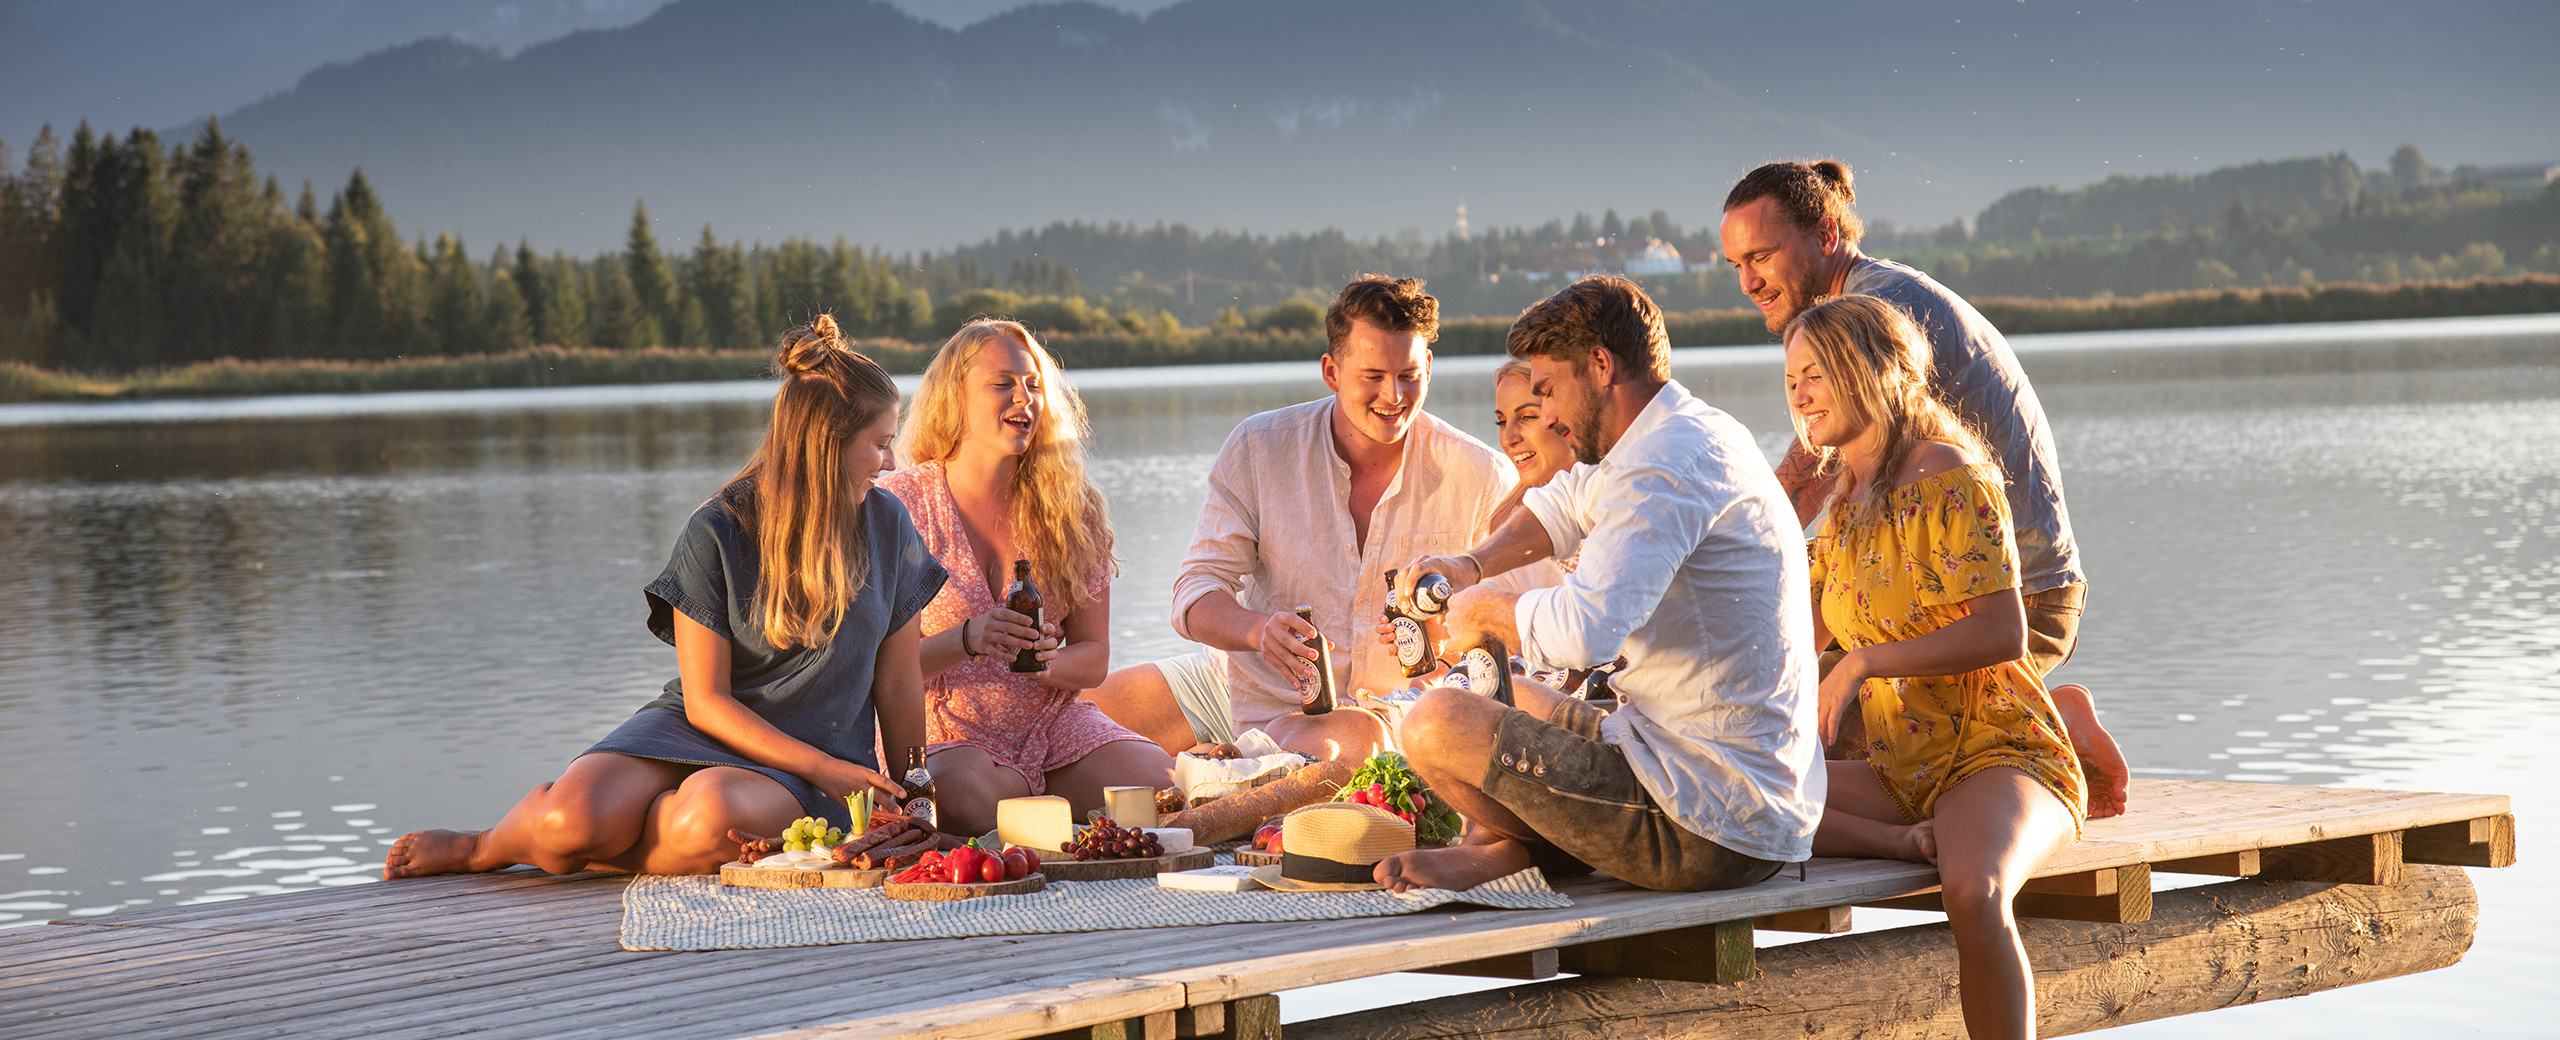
{"x":519,"y":954}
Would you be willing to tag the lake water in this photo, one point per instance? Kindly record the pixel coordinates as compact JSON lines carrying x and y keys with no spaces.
{"x":248,"y":642}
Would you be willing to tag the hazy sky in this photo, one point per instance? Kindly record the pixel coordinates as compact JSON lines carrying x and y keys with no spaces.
{"x":159,"y":63}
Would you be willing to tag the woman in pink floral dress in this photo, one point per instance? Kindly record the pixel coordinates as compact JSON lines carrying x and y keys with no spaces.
{"x":995,"y":443}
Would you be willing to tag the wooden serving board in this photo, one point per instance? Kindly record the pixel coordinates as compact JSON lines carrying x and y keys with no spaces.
{"x":744,"y":876}
{"x":1250,"y":858}
{"x":1116,"y":869}
{"x":934,"y":892}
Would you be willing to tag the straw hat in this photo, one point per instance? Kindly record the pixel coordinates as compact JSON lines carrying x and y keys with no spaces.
{"x":1335,"y":847}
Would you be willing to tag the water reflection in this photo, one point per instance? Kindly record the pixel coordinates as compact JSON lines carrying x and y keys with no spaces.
{"x":249,"y":652}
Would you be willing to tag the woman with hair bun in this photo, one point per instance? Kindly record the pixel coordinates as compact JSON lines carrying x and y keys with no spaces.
{"x":791,"y":599}
{"x":997,"y":445}
{"x":1915,"y":570}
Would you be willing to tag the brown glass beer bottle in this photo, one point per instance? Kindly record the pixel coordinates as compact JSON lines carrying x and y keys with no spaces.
{"x":1413,"y":642}
{"x":1488,"y":670}
{"x":1315,"y":696}
{"x":1024,"y":599}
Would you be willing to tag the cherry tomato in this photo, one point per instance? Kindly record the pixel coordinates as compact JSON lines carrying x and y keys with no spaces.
{"x":1017,"y":864}
{"x":991,"y":869}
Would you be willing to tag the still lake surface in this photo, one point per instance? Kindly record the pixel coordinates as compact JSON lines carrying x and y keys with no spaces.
{"x":249,"y":642}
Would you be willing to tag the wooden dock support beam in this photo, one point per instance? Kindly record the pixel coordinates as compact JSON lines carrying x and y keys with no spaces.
{"x":1711,"y":953}
{"x":1828,"y":920}
{"x":2364,"y":859}
{"x":2116,"y":895}
{"x":2204,"y":949}
{"x":2489,"y":841}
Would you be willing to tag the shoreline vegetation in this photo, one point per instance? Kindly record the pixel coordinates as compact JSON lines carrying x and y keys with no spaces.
{"x":554,"y":366}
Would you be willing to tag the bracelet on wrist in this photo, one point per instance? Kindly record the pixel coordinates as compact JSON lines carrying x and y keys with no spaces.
{"x":964,"y":639}
{"x":1475,"y":563}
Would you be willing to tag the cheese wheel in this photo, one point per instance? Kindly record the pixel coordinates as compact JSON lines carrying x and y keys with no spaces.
{"x":1040,"y":822}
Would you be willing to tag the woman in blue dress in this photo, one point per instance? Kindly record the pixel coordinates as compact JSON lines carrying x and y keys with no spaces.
{"x":791,"y":600}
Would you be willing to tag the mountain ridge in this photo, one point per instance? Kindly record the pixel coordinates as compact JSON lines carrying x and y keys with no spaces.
{"x":852,"y":117}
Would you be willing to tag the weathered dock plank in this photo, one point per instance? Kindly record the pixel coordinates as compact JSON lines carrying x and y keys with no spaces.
{"x":519,"y":954}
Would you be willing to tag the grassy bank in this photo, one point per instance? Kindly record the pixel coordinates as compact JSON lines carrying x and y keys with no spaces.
{"x":556,"y":366}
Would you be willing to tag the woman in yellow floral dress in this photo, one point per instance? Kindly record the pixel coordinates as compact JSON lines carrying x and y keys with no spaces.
{"x":1915,"y":574}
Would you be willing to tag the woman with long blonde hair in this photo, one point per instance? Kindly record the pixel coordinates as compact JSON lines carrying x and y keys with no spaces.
{"x":1915,"y":571}
{"x":997,"y":474}
{"x":791,"y":599}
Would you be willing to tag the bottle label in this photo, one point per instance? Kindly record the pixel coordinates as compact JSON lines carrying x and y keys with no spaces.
{"x":1483,"y":673}
{"x":921,"y":811}
{"x":1411,"y":645}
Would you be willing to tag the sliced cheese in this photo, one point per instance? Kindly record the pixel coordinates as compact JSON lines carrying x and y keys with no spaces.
{"x":1174,"y":839}
{"x":1042,"y":822}
{"x":1130,"y":806}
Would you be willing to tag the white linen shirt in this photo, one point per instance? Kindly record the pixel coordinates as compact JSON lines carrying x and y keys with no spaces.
{"x":1692,"y":562}
{"x":1276,"y":532}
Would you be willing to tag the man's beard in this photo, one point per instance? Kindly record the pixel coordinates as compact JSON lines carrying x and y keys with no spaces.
{"x":1585,"y":435}
{"x":1799,"y":293}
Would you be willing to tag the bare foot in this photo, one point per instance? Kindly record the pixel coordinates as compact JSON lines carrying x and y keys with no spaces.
{"x":421,"y":853}
{"x":1456,"y":868}
{"x":1924,"y":841}
{"x":2102,"y":765}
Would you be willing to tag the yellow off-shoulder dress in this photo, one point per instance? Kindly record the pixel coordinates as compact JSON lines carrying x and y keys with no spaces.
{"x":1942,"y":540}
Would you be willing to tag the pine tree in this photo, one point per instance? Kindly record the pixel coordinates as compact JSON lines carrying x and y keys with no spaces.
{"x":717,"y":287}
{"x":530,"y":290}
{"x":298,"y":282}
{"x":214,"y":300}
{"x":653,"y":304}
{"x":128,"y":325}
{"x":355,"y":288}
{"x":30,"y":232}
{"x":504,"y":324}
{"x":454,"y":317}
{"x":564,"y":304}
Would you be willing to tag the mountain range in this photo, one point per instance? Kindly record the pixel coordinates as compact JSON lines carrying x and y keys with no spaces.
{"x":853,"y":117}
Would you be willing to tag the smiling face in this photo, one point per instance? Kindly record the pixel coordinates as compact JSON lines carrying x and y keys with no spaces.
{"x":1378,"y":379}
{"x":1781,"y":268}
{"x":1537,"y":451}
{"x":1570,"y":400}
{"x":1822,"y":419}
{"x":871,"y":452}
{"x":1003,"y":394}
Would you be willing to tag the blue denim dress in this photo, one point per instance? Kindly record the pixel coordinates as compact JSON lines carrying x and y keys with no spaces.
{"x":819,"y":695}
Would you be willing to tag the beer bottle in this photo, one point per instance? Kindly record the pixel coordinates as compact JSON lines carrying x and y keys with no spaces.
{"x":1315,"y":696}
{"x":1430,"y":595}
{"x":1024,"y":599}
{"x":920,"y":803}
{"x":1488,"y":670}
{"x":1413,"y":642}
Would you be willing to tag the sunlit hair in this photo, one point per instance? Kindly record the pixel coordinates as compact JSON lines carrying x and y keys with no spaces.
{"x":1808,"y":193}
{"x":1875,"y":362}
{"x":811,"y":553}
{"x":1514,"y":368}
{"x":1059,"y":519}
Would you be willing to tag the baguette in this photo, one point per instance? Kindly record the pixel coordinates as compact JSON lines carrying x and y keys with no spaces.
{"x":1238,"y":814}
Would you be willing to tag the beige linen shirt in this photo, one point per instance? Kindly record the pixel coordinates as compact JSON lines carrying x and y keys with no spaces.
{"x":1276,"y":532}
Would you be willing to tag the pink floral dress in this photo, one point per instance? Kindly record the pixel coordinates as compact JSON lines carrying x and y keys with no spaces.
{"x":1024,"y":725}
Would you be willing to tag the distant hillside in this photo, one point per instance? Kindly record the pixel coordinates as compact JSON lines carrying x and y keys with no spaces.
{"x":823,"y":117}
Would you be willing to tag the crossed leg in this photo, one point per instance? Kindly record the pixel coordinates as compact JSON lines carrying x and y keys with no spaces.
{"x":1448,"y":738}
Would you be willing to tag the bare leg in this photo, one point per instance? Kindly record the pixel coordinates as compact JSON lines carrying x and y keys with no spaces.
{"x":967,"y":784}
{"x":1121,"y":763}
{"x":1448,"y":737}
{"x":1138,"y":697}
{"x":1860,"y":819}
{"x":1349,"y":733}
{"x":2102,"y":767}
{"x":1994,"y":829}
{"x":688,"y":828}
{"x":595,"y":811}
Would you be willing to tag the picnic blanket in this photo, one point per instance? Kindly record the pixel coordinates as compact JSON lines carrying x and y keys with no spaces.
{"x":699,"y":913}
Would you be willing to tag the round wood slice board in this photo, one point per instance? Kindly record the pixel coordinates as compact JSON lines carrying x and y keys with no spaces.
{"x":1250,"y":858}
{"x":941,"y":893}
{"x":744,"y":876}
{"x":1116,"y":869}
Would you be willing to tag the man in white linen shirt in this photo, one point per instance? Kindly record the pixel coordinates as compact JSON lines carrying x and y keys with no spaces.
{"x":1310,"y":504}
{"x":1709,"y":774}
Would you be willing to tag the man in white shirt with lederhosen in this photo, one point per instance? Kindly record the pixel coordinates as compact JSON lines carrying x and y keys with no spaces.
{"x":1709,"y":774}
{"x":1311,"y":504}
